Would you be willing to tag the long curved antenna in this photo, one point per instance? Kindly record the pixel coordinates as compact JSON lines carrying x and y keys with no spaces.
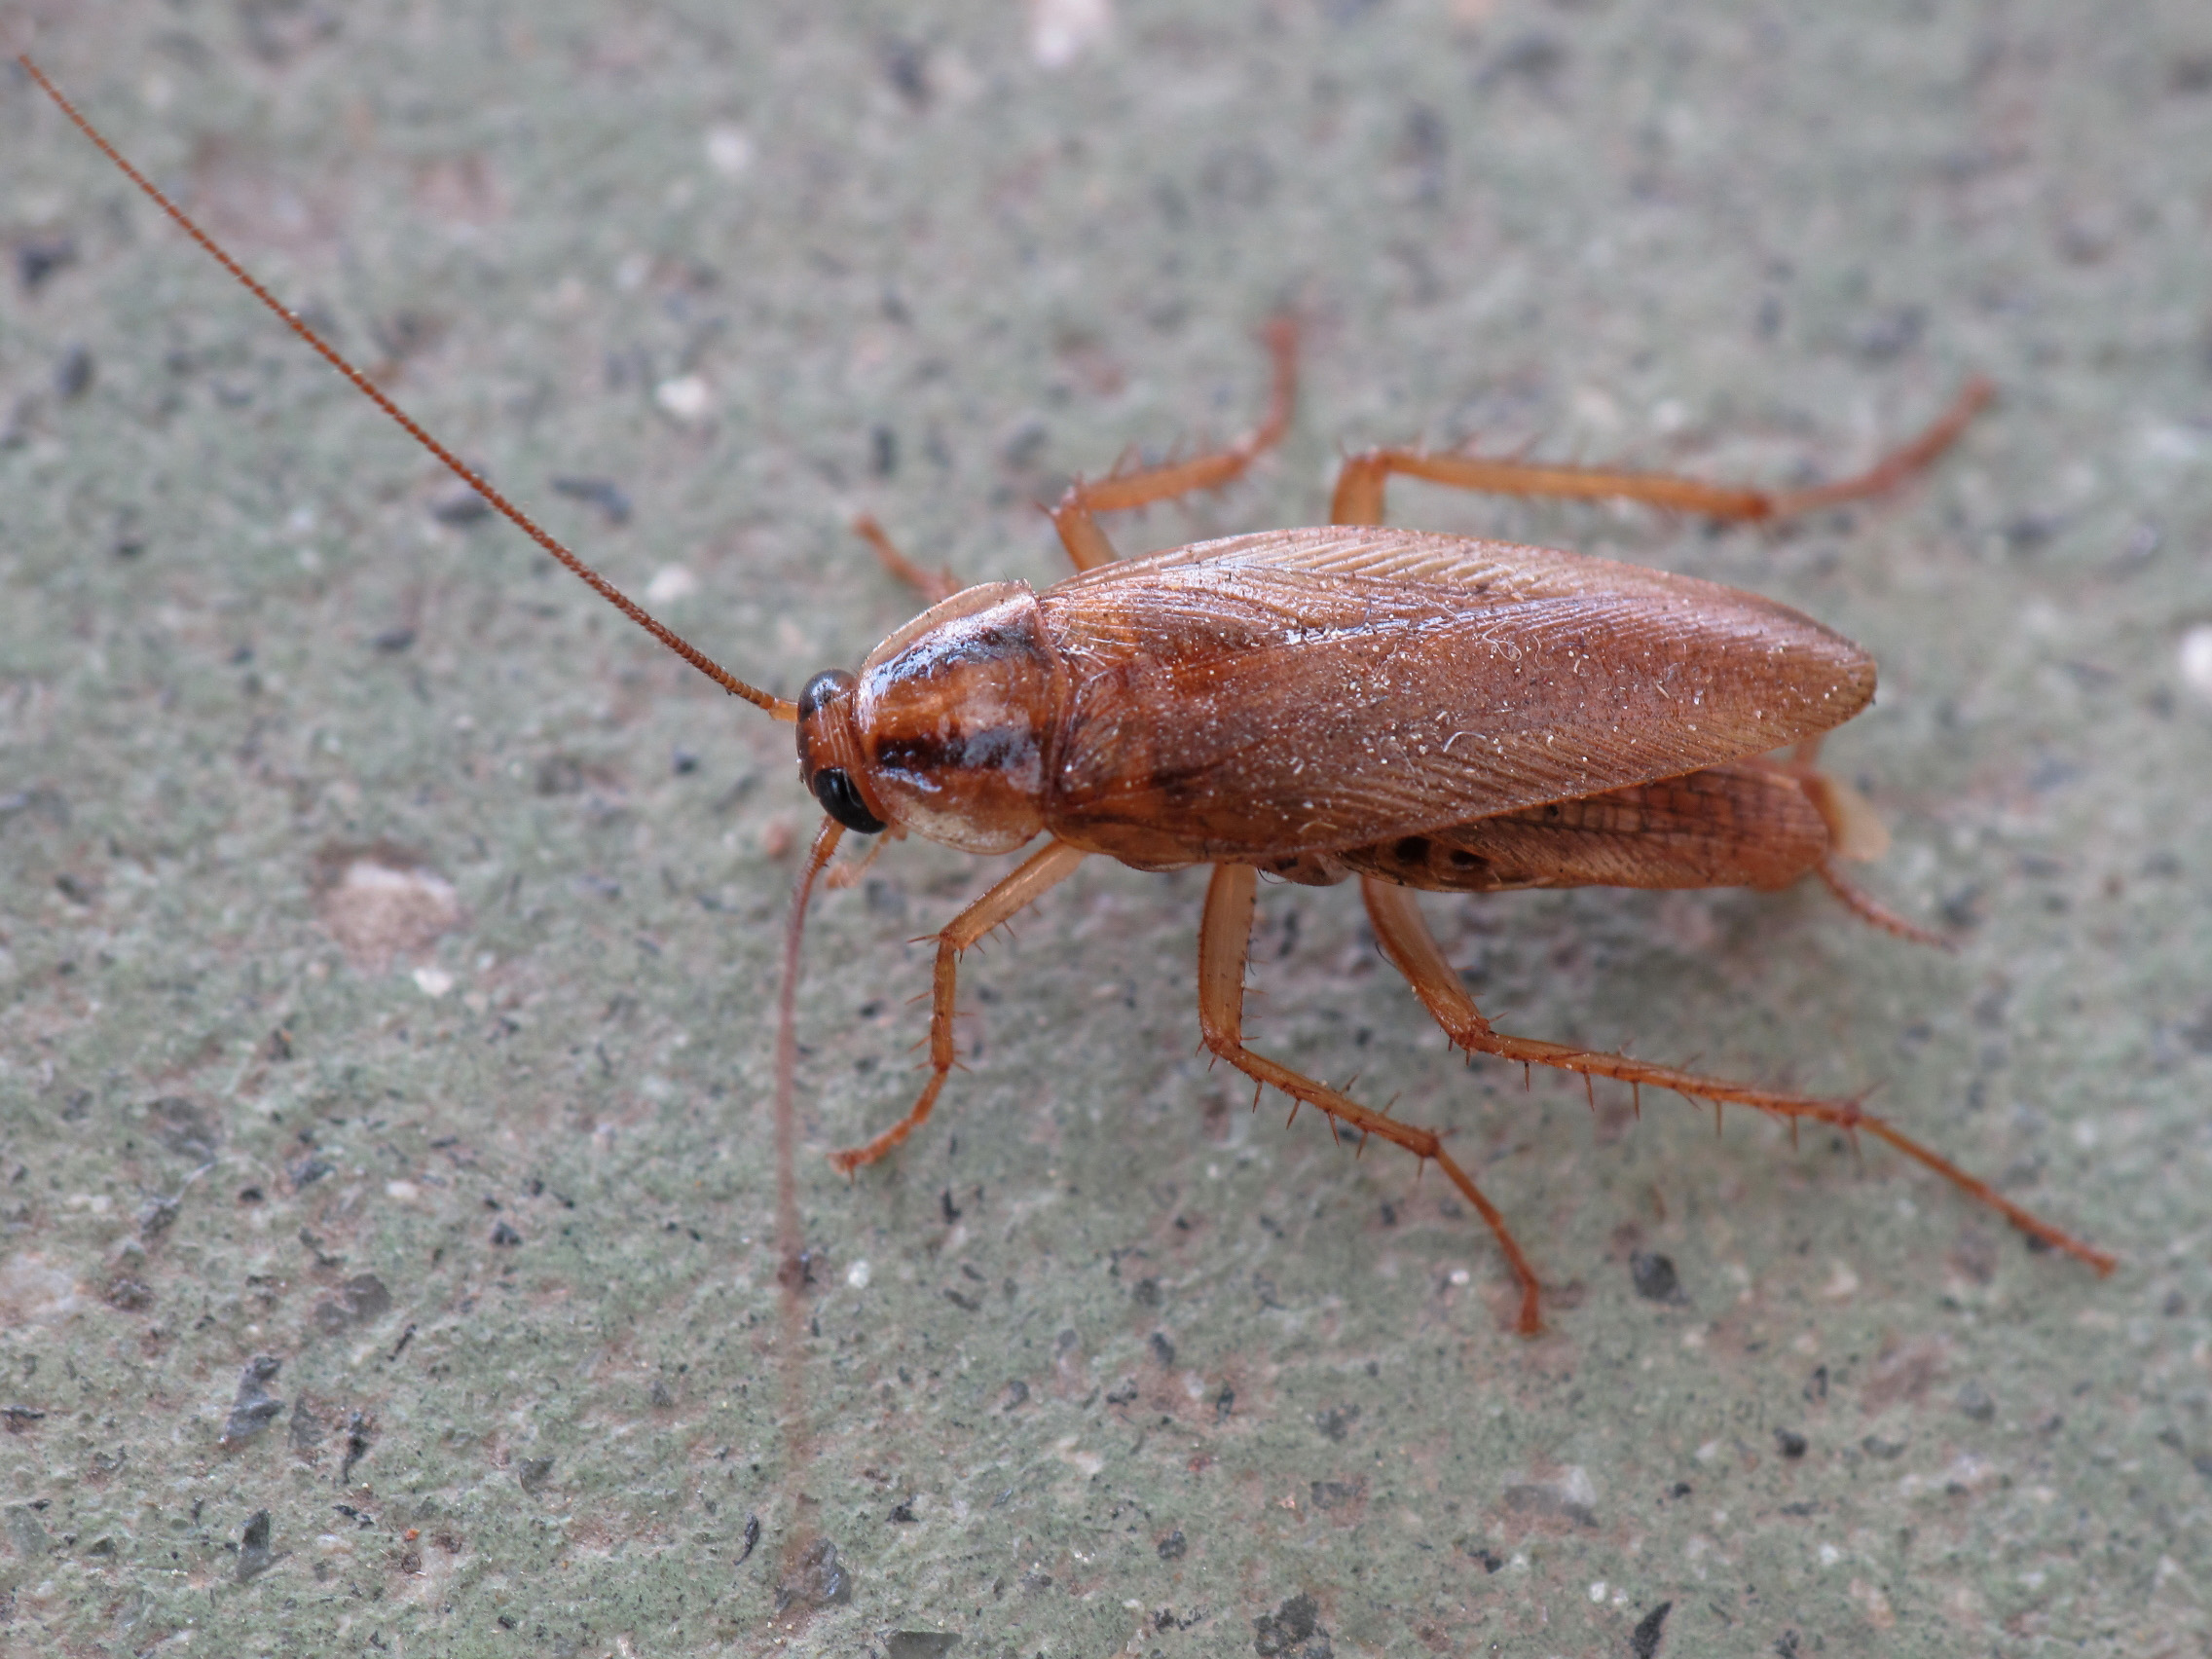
{"x":781,"y":707}
{"x":790,"y":1240}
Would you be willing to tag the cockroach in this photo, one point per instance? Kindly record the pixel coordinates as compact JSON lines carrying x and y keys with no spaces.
{"x":1418,"y":712}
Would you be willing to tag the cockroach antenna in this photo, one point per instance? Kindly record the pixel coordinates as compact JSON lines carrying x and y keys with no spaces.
{"x":780,"y":708}
{"x":789,"y":1240}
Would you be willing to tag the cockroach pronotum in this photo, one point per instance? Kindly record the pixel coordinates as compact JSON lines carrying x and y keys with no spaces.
{"x":1420,"y":712}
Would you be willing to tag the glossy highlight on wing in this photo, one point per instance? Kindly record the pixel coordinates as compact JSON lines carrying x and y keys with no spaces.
{"x":1445,"y":679}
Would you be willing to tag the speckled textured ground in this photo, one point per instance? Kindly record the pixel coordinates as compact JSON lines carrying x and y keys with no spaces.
{"x":386,"y":930}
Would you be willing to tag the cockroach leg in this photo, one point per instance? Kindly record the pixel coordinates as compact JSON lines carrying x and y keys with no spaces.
{"x":1360,"y":485}
{"x":1413,"y":950}
{"x":1224,"y":937}
{"x":1037,"y":875}
{"x":1899,"y":465}
{"x":936,"y":586}
{"x":1074,"y":517}
{"x":849,"y":875}
{"x":1856,"y":832}
{"x":1867,"y":908}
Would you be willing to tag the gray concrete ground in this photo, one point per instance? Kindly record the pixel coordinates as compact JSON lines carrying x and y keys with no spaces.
{"x":386,"y":931}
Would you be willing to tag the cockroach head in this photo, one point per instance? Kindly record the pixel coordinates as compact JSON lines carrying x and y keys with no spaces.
{"x":944,"y":730}
{"x":829,"y":755}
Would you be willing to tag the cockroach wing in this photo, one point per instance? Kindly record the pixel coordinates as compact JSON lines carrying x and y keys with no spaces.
{"x":1315,"y":689}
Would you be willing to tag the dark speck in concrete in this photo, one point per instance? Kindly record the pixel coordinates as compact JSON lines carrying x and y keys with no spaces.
{"x":1789,"y":1443}
{"x":185,"y":1128}
{"x":255,"y":1556}
{"x":1293,"y":1631}
{"x":1654,"y":1279}
{"x":1336,"y":1422}
{"x":360,"y":1301}
{"x":919,"y":1645}
{"x":504,"y":1235}
{"x":601,"y":493}
{"x":255,"y":1407}
{"x":460,"y":508}
{"x":752,"y":1540}
{"x":361,"y":1435}
{"x":821,"y":1580}
{"x":1644,"y":1639}
{"x":531,"y":1473}
{"x":73,"y":374}
{"x":39,"y":258}
{"x":1174,"y":1547}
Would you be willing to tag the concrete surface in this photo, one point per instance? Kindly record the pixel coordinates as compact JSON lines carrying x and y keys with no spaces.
{"x":386,"y":930}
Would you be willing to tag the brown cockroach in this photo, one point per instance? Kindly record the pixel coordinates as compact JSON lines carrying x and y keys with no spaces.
{"x":1421,"y":711}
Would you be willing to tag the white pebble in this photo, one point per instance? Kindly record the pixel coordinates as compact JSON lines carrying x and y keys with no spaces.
{"x":2197,"y":660}
{"x":685,"y":397}
{"x":730,"y":150}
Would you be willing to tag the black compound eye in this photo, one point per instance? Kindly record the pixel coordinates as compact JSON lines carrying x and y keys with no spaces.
{"x":841,"y":801}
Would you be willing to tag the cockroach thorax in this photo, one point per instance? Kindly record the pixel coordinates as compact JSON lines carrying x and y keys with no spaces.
{"x":944,"y":730}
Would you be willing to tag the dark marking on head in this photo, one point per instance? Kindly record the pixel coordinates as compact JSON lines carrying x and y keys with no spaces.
{"x":823,"y":687}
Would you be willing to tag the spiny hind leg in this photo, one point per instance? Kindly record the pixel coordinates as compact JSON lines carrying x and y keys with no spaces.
{"x":1074,"y":517}
{"x":1413,"y":950}
{"x":1224,"y":937}
{"x":1031,"y":880}
{"x":1360,"y":485}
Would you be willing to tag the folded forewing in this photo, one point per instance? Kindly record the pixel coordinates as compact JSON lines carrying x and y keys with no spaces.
{"x":1321,"y":688}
